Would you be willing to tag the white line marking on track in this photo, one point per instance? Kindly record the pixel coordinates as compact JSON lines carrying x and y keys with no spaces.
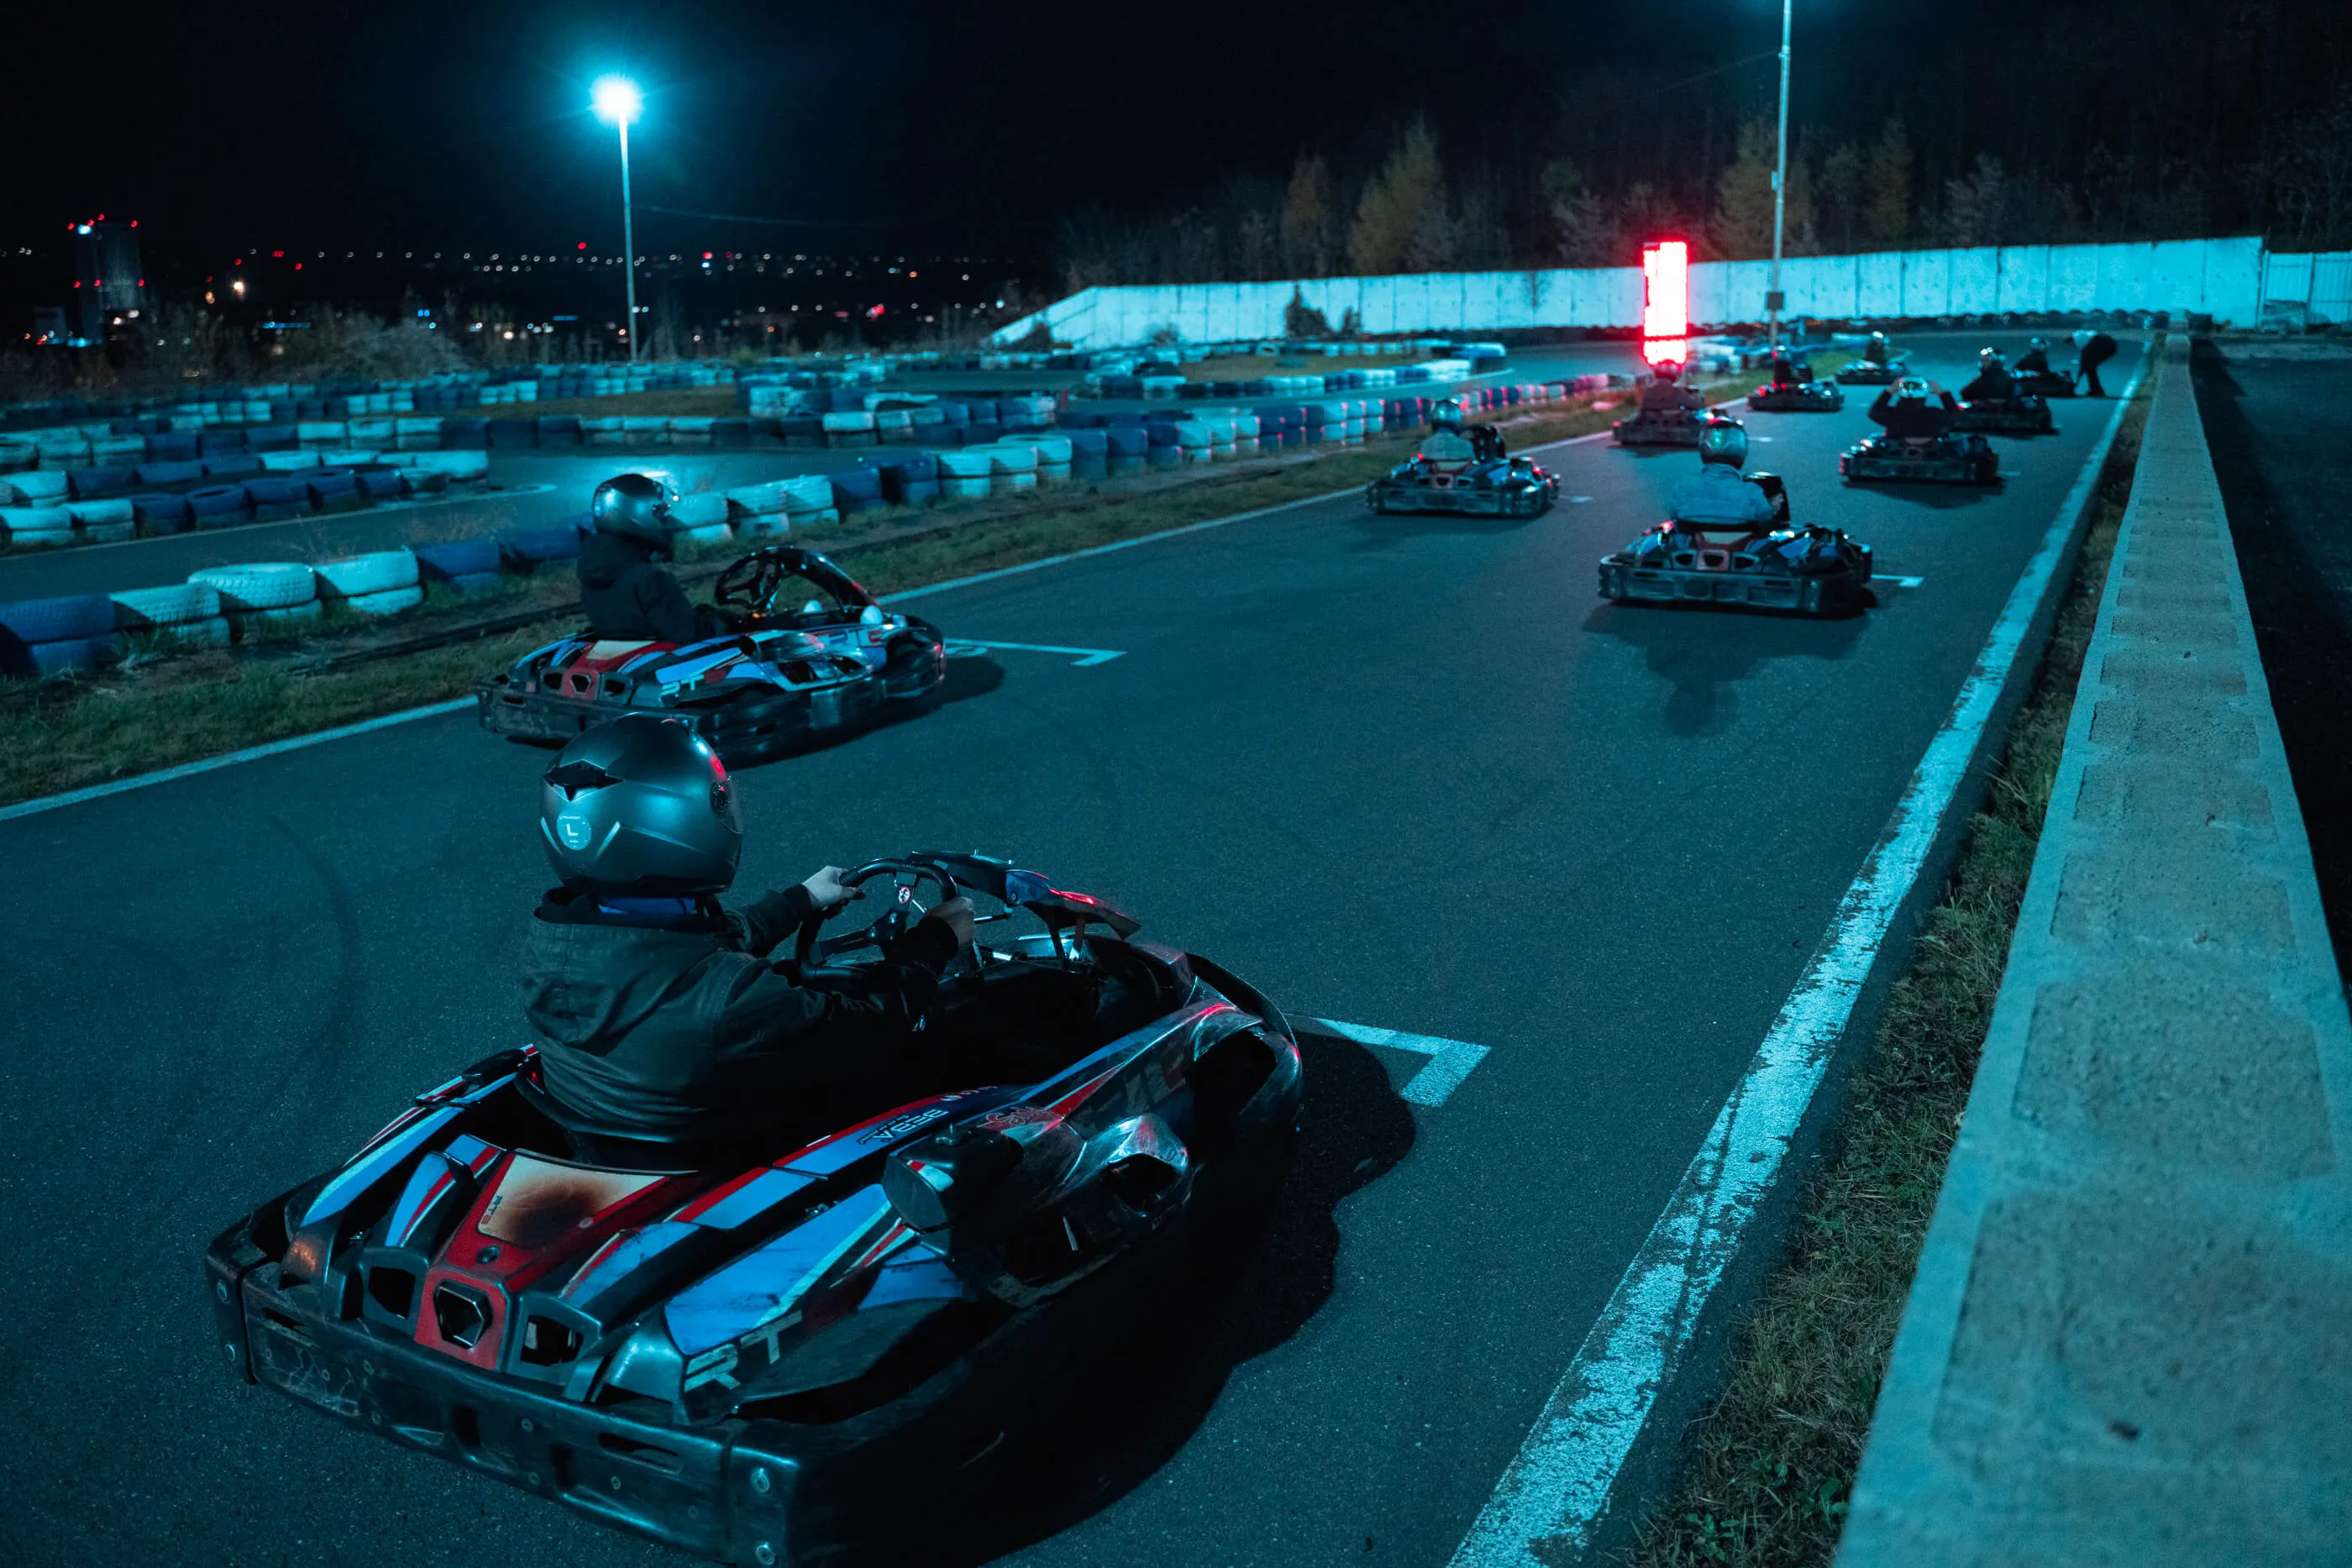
{"x":1543,"y":1510}
{"x":229,"y":759}
{"x":1897,"y":581}
{"x":1081,"y":658}
{"x":1450,"y":1060}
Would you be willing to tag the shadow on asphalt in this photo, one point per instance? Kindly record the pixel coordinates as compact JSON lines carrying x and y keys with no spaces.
{"x":1381,"y":529}
{"x":1705,"y":652}
{"x":1937,"y":497}
{"x":1133,"y":1406}
{"x":967,"y":678}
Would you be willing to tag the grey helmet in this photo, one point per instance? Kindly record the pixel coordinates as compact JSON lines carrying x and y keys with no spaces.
{"x":634,"y":506}
{"x":641,"y":808}
{"x":1725,"y":442}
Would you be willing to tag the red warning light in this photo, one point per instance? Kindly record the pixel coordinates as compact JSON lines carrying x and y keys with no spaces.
{"x":1665,"y":300}
{"x":584,"y":245}
{"x":298,"y":266}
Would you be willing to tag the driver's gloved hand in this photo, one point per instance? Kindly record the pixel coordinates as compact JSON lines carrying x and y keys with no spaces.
{"x":825,"y":889}
{"x":937,"y":938}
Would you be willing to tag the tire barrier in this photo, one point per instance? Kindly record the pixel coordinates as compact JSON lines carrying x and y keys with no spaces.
{"x":367,"y":576}
{"x":458,"y":559}
{"x":261,"y":585}
{"x":530,"y":548}
{"x":42,"y":526}
{"x":965,"y":475}
{"x":161,"y":609}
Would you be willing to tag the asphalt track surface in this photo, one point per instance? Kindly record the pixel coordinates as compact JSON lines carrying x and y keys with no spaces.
{"x":1405,"y":772}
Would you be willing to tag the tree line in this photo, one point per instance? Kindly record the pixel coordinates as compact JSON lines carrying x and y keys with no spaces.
{"x":2066,"y":122}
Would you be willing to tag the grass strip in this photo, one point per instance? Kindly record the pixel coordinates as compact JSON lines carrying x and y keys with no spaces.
{"x":1768,"y":1470}
{"x":167,"y":706}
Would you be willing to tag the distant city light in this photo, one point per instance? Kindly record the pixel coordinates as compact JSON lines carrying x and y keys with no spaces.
{"x":616,"y":99}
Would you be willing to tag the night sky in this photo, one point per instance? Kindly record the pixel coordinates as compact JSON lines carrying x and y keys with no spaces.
{"x":438,"y":124}
{"x":961,"y":127}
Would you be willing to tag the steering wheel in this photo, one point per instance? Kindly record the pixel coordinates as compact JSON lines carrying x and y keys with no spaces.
{"x":748,"y":585}
{"x":904,"y":910}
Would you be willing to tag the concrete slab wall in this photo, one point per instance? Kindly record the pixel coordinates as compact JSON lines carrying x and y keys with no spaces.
{"x":2222,"y":278}
{"x":2129,"y":1340}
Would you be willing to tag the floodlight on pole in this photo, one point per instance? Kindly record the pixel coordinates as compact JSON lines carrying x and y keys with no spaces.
{"x":1773,"y":298}
{"x":617,"y":101}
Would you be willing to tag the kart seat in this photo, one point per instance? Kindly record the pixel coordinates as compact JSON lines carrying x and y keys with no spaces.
{"x":591,"y":1144}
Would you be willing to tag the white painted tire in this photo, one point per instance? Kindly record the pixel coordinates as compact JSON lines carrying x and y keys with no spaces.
{"x":390,"y":601}
{"x":171,"y":605}
{"x":758,"y":501}
{"x":38,"y":486}
{"x":239,"y":620}
{"x":807,"y":493}
{"x":844,"y":421}
{"x":19,"y":520}
{"x":457,"y":465}
{"x":698,"y":510}
{"x":966,"y":463}
{"x":289,"y":461}
{"x":1010,"y":458}
{"x":262,"y":585}
{"x":707,"y":534}
{"x":378,"y":572}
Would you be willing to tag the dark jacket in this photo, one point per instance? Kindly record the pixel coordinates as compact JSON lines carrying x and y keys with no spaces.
{"x":1990,"y":386}
{"x":675,"y":1026}
{"x":1911,"y":418}
{"x":627,"y":597}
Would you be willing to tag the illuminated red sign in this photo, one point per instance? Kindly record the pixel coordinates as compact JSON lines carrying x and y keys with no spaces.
{"x":1665,"y":300}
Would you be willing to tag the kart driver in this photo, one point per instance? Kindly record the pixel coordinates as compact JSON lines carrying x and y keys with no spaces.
{"x":2035,"y":361}
{"x":1914,"y":409}
{"x":1789,"y":370}
{"x":1993,"y":382}
{"x":1447,"y":446}
{"x":626,"y":596}
{"x":1875,"y":350}
{"x":1665,"y":393}
{"x":1717,"y":496}
{"x":658,"y":1013}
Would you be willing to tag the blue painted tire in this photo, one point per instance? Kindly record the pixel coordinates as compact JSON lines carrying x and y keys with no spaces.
{"x":477,"y":584}
{"x":460,"y":557}
{"x":89,"y":484}
{"x":536,"y":547}
{"x":218,"y":506}
{"x":161,"y":513}
{"x":1125,"y":440}
{"x":377,"y":484}
{"x":60,"y":620}
{"x":177,"y":473}
{"x":75,"y":654}
{"x":511,"y":432}
{"x":465,"y":435}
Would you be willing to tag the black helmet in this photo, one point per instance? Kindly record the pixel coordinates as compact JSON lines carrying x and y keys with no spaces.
{"x":635,"y":505}
{"x":641,"y":808}
{"x":2042,"y":344}
{"x":1446,"y":414}
{"x":1725,"y":441}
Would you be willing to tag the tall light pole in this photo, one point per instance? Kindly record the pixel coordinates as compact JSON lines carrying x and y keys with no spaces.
{"x":618,"y":102}
{"x":1773,"y":298}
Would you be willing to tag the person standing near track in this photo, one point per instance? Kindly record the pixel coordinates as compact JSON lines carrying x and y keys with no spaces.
{"x":2096,"y":349}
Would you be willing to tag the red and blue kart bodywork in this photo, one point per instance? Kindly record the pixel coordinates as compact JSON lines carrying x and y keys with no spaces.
{"x":1771,"y":566}
{"x":776,"y":675}
{"x":1797,"y":397}
{"x":1496,"y":486}
{"x":762,"y":1359}
{"x":1952,"y":458}
{"x":2024,"y":415}
{"x":1860,"y":372}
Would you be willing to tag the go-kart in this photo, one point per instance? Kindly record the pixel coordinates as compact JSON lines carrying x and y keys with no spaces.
{"x":1662,"y":427}
{"x":1491,"y":485}
{"x":798,"y":648}
{"x":1860,"y":372}
{"x":2024,"y":415}
{"x":1772,"y":566}
{"x":1797,"y":397}
{"x":1948,"y":459}
{"x":2052,"y":382}
{"x":761,"y":1353}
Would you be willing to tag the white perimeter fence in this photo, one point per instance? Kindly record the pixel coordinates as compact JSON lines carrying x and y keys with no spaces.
{"x":2232,"y":280}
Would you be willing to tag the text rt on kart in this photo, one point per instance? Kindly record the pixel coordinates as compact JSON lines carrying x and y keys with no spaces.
{"x":1762,"y":562}
{"x":1467,"y":471}
{"x":757,"y":1358}
{"x":805,"y":651}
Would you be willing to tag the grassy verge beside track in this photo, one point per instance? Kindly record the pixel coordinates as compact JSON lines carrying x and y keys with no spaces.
{"x":167,"y":706}
{"x":1769,"y":1472}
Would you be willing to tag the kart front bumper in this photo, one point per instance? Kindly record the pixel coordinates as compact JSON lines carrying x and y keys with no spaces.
{"x":750,"y":726}
{"x":1802,"y":593}
{"x":1863,"y":374}
{"x":1639,"y":431}
{"x":1829,"y":401}
{"x":1468,"y":500}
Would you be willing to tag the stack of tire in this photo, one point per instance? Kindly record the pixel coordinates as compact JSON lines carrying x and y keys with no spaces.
{"x":964,"y":474}
{"x":701,"y":519}
{"x":467,"y":567}
{"x":381,"y":582}
{"x":808,"y":500}
{"x":758,"y":510}
{"x":260,"y":595}
{"x":52,"y":636}
{"x":187,"y":612}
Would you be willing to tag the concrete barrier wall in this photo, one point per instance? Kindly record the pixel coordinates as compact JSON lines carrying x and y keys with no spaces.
{"x":2129,"y":1339}
{"x":2222,"y":277}
{"x":2313,"y":285}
